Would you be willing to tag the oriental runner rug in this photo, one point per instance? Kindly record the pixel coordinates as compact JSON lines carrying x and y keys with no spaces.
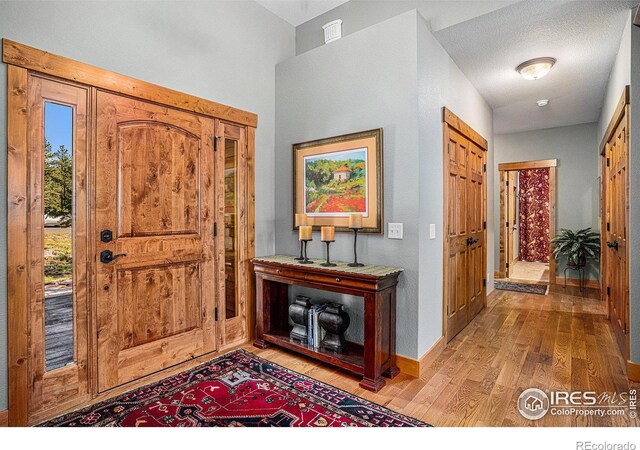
{"x":238,"y":389}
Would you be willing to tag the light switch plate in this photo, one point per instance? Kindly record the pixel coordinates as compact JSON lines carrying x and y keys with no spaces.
{"x":432,"y":231}
{"x":395,"y":231}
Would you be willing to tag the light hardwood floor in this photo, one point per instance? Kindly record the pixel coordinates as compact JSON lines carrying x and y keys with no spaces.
{"x":560,"y":341}
{"x":530,"y":271}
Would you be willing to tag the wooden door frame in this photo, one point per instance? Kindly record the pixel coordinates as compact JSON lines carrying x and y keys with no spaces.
{"x":621,"y":112}
{"x":503,"y":168}
{"x":21,"y":61}
{"x":450,"y":120}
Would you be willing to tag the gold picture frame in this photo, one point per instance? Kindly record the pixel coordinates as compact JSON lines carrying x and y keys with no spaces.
{"x":339,"y":176}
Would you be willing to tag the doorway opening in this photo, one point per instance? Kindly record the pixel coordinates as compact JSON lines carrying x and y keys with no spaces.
{"x":527,"y":216}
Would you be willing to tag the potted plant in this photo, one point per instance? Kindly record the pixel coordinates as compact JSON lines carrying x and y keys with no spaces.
{"x":577,"y":246}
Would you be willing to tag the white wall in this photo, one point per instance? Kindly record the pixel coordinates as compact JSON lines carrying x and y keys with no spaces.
{"x":619,"y":78}
{"x":577,"y":195}
{"x":441,"y":83}
{"x":224,"y":51}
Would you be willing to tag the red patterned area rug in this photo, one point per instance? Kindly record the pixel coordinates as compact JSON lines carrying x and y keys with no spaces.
{"x":238,"y":389}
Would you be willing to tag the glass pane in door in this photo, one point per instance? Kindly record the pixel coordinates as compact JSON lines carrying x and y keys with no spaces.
{"x":58,"y":235}
{"x":231,"y":226}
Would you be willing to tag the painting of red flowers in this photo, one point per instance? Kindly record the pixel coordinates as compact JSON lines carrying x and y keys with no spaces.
{"x":336,"y":183}
{"x":336,"y":177}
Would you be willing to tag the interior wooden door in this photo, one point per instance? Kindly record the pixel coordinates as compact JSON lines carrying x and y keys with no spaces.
{"x":457,"y":273}
{"x":465,"y":239}
{"x":615,"y":248}
{"x":476,"y":210}
{"x":512,"y":211}
{"x":155,"y":215}
{"x":58,"y":305}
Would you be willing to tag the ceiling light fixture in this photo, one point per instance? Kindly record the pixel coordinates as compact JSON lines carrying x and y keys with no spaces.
{"x":535,"y":68}
{"x":543,"y":102}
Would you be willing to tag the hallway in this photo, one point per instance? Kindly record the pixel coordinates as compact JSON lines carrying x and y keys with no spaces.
{"x":555,"y":342}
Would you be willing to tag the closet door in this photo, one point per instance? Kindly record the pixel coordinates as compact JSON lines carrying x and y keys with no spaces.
{"x":457,"y":274}
{"x":615,"y":249}
{"x":465,"y":243}
{"x":155,"y":249}
{"x":58,"y":300}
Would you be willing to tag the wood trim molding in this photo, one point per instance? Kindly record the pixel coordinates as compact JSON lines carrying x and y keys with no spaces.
{"x":551,"y":164}
{"x":415,"y":367}
{"x":524,"y":165}
{"x":16,"y":54}
{"x":4,"y":418}
{"x":633,"y":371}
{"x":408,"y":366}
{"x":617,"y":116}
{"x":17,"y":259}
{"x":588,"y":283}
{"x":460,"y":125}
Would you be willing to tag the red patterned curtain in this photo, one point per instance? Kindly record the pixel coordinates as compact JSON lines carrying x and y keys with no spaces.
{"x":534,"y":215}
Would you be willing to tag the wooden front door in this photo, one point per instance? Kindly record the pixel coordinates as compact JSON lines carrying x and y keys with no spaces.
{"x":465,"y":242}
{"x":614,"y":250}
{"x":154,"y":218}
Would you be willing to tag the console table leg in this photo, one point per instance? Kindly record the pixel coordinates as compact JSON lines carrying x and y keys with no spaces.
{"x":260,"y":343}
{"x":373,"y":385}
{"x":372,"y":380}
{"x":391,"y":372}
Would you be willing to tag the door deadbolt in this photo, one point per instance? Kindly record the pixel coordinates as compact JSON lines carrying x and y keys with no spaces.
{"x":106,"y":236}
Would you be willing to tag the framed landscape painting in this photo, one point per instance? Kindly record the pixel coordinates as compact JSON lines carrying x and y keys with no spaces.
{"x":339,"y":176}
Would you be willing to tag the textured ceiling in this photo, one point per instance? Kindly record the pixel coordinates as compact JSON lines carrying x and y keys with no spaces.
{"x":584,"y":36}
{"x":297,"y":12}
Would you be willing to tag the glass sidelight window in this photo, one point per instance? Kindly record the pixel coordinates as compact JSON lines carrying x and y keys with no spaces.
{"x":231,"y":227}
{"x":58,"y":195}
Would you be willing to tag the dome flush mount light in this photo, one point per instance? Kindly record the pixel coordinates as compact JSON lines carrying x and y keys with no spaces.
{"x":535,"y":68}
{"x":543,"y":102}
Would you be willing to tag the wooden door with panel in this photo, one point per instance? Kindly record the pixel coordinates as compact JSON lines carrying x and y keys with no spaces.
{"x":616,"y":239}
{"x":232,"y":213}
{"x":58,"y":317}
{"x":156,"y":251}
{"x":457,"y":264}
{"x":475,"y":207}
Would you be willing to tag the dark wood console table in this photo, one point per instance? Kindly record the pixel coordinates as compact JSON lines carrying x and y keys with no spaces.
{"x":377,"y":286}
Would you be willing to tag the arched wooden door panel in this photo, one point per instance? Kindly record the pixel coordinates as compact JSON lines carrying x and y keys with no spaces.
{"x":155,"y":194}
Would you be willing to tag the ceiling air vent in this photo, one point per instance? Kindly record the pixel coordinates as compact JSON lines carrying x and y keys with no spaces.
{"x":332,"y":31}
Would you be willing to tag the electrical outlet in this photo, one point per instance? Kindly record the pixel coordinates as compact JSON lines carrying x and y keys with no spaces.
{"x":395,"y":231}
{"x":432,"y":231}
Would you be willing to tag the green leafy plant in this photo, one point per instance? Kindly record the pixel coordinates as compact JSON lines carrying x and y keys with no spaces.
{"x":578,"y":246}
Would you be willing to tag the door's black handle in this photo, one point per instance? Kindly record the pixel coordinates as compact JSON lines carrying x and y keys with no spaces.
{"x":613,"y":245}
{"x":471,"y":241}
{"x":107,"y":256}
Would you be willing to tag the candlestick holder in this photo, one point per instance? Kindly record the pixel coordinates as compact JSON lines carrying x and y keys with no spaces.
{"x":301,"y":257}
{"x":355,"y":262}
{"x":328,"y":263}
{"x":305,"y":260}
